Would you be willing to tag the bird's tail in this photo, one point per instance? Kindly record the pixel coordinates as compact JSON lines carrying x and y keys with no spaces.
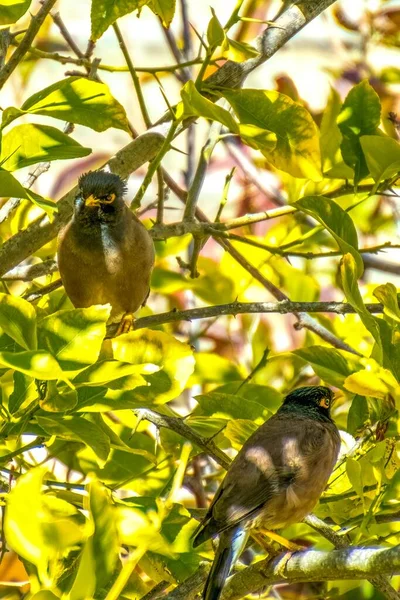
{"x":231,"y":544}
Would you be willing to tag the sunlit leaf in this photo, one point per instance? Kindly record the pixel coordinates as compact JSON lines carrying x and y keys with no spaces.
{"x":25,"y":392}
{"x":382,"y":155}
{"x":105,"y":543}
{"x":194,"y":104}
{"x":105,"y":12}
{"x":173,"y":361}
{"x":12,"y":10}
{"x":387,"y":295}
{"x":77,"y":100}
{"x":29,"y":144}
{"x":11,"y":188}
{"x":35,"y":363}
{"x":354,"y":473}
{"x":297,"y":147}
{"x":385,"y":352}
{"x":74,"y":337}
{"x":58,"y":399}
{"x":377,"y":384}
{"x":165,"y":9}
{"x":78,"y":429}
{"x":18,"y":320}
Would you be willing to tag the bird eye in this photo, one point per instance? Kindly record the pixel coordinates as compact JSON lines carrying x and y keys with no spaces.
{"x":325,"y":402}
{"x":108,"y":198}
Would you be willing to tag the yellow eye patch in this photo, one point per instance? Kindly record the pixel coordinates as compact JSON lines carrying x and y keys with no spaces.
{"x":325,"y":402}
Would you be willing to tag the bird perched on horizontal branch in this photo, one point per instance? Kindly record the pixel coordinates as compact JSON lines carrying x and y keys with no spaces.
{"x":105,"y":254}
{"x":275,"y":480}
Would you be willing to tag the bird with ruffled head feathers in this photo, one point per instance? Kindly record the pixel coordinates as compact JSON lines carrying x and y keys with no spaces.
{"x":105,"y":254}
{"x":275,"y":480}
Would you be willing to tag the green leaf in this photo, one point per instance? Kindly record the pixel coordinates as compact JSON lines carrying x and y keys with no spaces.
{"x":107,"y":371}
{"x":172,"y":361}
{"x":333,"y":366}
{"x":194,"y":104}
{"x":78,"y":429}
{"x":387,"y":295}
{"x":257,"y":138}
{"x":216,"y":368}
{"x":238,"y":431}
{"x":11,"y":188}
{"x":29,"y":144}
{"x":24,"y":392}
{"x":58,"y":400}
{"x":385,"y":351}
{"x":215,"y":31}
{"x":297,"y":147}
{"x":35,"y":363}
{"x":84,"y":584}
{"x":165,"y":9}
{"x":354,"y":473}
{"x":213,"y":285}
{"x":330,"y":136}
{"x":12,"y":10}
{"x":337,"y":221}
{"x":229,"y":406}
{"x":105,"y":543}
{"x":360,"y":115}
{"x":77,"y":100}
{"x":105,"y":12}
{"x":358,"y":414}
{"x":74,"y":337}
{"x":18,"y":320}
{"x":382,"y":155}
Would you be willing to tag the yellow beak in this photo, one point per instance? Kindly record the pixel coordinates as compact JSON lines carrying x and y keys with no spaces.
{"x":92,"y":201}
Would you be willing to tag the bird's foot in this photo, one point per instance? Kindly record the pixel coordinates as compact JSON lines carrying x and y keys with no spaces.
{"x":280,"y":568}
{"x":126,"y":324}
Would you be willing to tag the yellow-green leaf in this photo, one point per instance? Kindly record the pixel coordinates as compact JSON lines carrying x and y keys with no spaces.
{"x":12,"y":10}
{"x":172,"y":361}
{"x":337,"y":221}
{"x":297,"y":147}
{"x":74,"y":337}
{"x":75,"y":99}
{"x":29,"y":144}
{"x":18,"y":320}
{"x":194,"y":104}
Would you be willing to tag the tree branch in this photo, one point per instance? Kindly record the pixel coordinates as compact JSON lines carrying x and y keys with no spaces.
{"x":283,"y":307}
{"x":26,"y":43}
{"x":177,"y":424}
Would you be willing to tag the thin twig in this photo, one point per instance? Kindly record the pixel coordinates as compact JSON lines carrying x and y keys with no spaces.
{"x":26,"y":42}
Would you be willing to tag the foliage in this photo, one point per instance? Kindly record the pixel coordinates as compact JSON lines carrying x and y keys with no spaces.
{"x":99,"y":500}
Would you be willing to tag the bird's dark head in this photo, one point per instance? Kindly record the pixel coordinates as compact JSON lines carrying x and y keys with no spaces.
{"x":99,"y":189}
{"x":313,"y":399}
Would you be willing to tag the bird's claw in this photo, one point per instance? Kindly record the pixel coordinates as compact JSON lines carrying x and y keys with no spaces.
{"x":126,"y":324}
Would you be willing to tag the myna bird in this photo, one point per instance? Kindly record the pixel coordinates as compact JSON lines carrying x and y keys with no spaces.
{"x":275,"y":480}
{"x":105,"y":254}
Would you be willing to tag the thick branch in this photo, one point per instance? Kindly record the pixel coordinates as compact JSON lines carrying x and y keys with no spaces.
{"x":26,"y":43}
